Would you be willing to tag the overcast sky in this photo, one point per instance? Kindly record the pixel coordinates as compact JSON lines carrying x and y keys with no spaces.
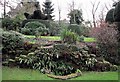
{"x":85,"y":5}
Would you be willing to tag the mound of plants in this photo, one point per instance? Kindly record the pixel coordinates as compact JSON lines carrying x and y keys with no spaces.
{"x":62,"y":59}
{"x":69,"y":37}
{"x":53,"y":28}
{"x":11,"y":24}
{"x":11,"y":41}
{"x":34,"y":28}
{"x":14,"y":44}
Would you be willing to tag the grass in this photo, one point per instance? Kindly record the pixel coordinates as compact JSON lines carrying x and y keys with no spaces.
{"x":51,"y":38}
{"x":28,"y":74}
{"x":98,"y":76}
{"x":22,"y":74}
{"x":89,"y":40}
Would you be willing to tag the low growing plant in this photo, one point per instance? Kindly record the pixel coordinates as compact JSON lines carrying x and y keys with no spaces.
{"x":69,"y":37}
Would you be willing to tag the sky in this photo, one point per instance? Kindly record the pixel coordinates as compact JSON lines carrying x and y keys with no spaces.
{"x":85,"y":5}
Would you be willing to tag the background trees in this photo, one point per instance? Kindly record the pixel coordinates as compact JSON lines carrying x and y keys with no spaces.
{"x":48,"y":9}
{"x":75,"y":16}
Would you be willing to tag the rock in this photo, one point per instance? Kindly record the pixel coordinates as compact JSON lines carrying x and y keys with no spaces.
{"x":113,"y":67}
{"x":73,"y":75}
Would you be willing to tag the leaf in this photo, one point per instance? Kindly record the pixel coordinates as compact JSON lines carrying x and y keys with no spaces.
{"x":20,"y":61}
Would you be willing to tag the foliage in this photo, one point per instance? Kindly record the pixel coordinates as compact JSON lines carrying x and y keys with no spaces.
{"x":51,"y":25}
{"x":62,"y":59}
{"x":10,"y":24}
{"x":37,"y":14}
{"x":11,"y":41}
{"x":69,"y":37}
{"x":107,"y":42}
{"x":113,"y":14}
{"x":79,"y":29}
{"x":34,"y":28}
{"x":117,"y":12}
{"x":75,"y":17}
{"x":45,"y":61}
{"x":109,"y":17}
{"x":48,"y":10}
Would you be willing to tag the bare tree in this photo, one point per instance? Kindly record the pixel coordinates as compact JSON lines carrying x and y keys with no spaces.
{"x":101,"y":15}
{"x":94,"y":9}
{"x":5,"y":4}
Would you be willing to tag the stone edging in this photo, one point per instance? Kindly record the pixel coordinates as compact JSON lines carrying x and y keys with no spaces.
{"x":66,"y":76}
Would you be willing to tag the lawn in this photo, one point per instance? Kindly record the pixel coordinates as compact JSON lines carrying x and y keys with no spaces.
{"x":89,"y":39}
{"x":28,"y":74}
{"x":52,"y":38}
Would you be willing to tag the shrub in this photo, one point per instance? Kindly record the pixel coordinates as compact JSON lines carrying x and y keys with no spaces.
{"x":69,"y":37}
{"x":109,"y":17}
{"x":78,"y":29}
{"x":11,"y":41}
{"x":33,"y":28}
{"x":107,"y":42}
{"x":117,"y":12}
{"x":53,"y":27}
{"x":62,"y":59}
{"x":10,"y":24}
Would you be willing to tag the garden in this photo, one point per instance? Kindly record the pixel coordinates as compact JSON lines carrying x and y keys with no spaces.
{"x":36,"y":47}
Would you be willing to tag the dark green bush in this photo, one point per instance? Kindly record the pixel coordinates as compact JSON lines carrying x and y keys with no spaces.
{"x":33,"y":28}
{"x":69,"y":37}
{"x":10,"y":24}
{"x":51,"y":25}
{"x":78,"y":29}
{"x":117,"y":12}
{"x":109,"y":17}
{"x":11,"y":41}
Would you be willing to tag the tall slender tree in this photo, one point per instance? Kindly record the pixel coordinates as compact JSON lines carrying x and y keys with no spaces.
{"x":75,"y":16}
{"x":48,"y":9}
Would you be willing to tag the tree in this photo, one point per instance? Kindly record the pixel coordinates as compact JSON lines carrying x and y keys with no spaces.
{"x":5,"y":4}
{"x":48,"y":10}
{"x":94,"y":9}
{"x":75,"y":16}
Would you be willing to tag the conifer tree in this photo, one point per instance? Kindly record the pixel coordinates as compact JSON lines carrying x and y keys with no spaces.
{"x":48,"y":9}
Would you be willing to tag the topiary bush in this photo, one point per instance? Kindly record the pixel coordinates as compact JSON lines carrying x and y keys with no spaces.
{"x":33,"y":28}
{"x":53,"y":28}
{"x":69,"y":37}
{"x":117,"y":12}
{"x":109,"y":17}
